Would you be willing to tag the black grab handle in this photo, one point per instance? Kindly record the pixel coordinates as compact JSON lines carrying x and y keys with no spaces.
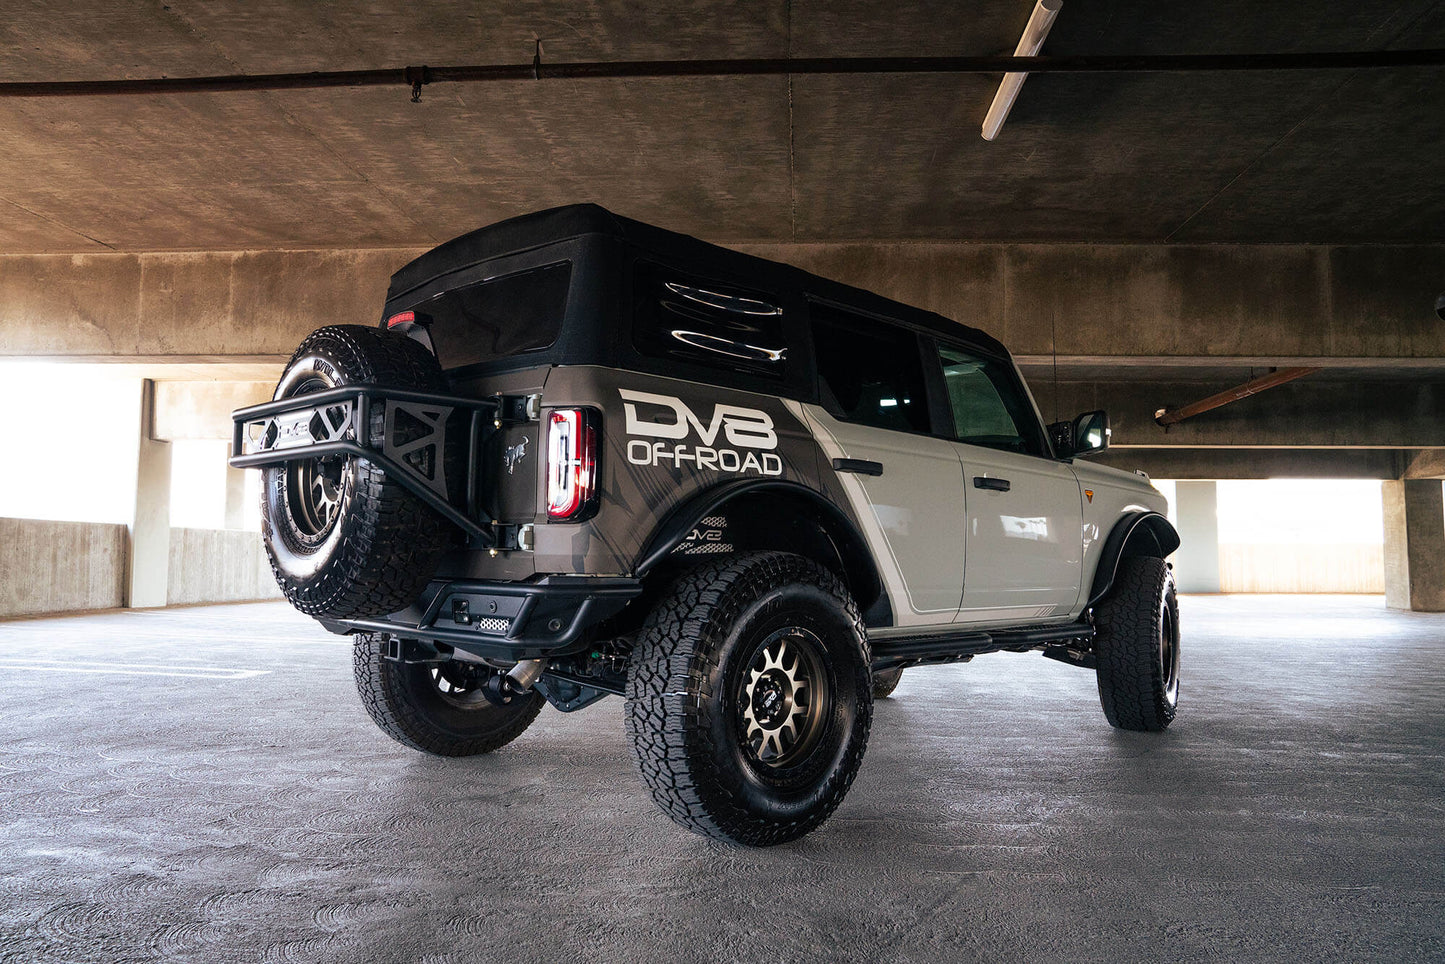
{"x":861,"y":466}
{"x":988,"y":482}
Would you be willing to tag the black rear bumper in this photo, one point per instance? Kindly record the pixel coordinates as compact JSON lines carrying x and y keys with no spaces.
{"x":507,"y":620}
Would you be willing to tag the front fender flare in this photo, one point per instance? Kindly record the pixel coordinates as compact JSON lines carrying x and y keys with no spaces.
{"x":1141,"y":533}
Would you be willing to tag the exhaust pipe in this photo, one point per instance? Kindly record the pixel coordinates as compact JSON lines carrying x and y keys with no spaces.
{"x":501,"y":689}
{"x":526,"y":673}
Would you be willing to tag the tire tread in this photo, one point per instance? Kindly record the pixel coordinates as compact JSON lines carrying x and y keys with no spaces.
{"x":391,"y":542}
{"x":1131,"y":679}
{"x":380,"y":686}
{"x":668,"y":685}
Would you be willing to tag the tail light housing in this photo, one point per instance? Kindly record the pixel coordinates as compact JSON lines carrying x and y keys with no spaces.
{"x":572,"y":450}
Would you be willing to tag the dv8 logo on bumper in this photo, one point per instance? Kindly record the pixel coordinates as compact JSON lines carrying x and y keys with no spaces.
{"x":742,"y":428}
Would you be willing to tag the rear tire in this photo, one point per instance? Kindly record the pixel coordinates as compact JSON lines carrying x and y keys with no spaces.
{"x":344,"y":540}
{"x":749,"y":698}
{"x":1136,"y":645}
{"x":437,"y":708}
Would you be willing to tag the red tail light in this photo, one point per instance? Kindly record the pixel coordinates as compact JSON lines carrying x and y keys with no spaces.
{"x":401,"y":318}
{"x":571,"y":464}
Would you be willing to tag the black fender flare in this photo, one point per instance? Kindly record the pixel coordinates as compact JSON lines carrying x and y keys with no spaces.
{"x":860,"y":571}
{"x":1142,"y":533}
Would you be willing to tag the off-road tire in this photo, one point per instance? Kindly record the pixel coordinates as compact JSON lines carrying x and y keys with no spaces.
{"x":403,"y":699}
{"x":383,"y":544}
{"x":1136,"y":645}
{"x":885,"y":682}
{"x":686,"y":672}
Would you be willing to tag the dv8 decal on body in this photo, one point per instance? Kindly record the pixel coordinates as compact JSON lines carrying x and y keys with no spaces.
{"x":748,"y":432}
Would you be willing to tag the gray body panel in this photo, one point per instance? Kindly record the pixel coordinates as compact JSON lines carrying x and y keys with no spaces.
{"x":911,"y":514}
{"x":1024,"y":544}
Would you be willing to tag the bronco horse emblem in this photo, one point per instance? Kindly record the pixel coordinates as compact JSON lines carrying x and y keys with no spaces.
{"x":514,"y":454}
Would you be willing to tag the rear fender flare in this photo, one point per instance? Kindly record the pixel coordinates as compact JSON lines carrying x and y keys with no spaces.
{"x":858,"y":569}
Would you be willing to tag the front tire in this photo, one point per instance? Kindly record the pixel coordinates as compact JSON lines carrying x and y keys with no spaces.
{"x":749,"y":698}
{"x":437,"y":708}
{"x":1136,"y":646}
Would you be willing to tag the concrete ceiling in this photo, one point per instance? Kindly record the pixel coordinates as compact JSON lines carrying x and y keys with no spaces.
{"x":1298,"y":156}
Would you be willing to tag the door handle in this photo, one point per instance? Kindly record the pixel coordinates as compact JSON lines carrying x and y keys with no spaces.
{"x":988,"y":482}
{"x":861,"y":466}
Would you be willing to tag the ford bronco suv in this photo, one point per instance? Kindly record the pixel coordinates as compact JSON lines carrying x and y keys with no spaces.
{"x":583,"y":456}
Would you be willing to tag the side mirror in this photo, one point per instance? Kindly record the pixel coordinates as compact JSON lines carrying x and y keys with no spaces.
{"x":1086,"y":434}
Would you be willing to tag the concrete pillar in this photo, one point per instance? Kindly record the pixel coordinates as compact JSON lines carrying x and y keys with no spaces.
{"x":235,"y":496}
{"x":1414,"y":545}
{"x":1196,"y":563}
{"x":148,"y":565}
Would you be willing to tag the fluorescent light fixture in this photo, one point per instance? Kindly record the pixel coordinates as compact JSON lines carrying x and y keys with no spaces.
{"x":1038,"y":28}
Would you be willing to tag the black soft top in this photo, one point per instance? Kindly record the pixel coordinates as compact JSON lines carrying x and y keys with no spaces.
{"x":577,"y":221}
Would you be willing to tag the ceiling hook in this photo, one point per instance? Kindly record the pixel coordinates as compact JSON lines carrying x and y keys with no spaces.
{"x":416,"y":76}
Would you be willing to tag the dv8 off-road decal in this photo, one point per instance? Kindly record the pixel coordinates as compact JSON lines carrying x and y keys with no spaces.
{"x":748,"y":433}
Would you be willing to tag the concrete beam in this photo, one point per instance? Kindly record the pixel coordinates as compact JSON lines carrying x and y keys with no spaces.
{"x":153,"y":306}
{"x":1084,"y":300}
{"x":1217,"y":463}
{"x":1414,"y":545}
{"x":1429,"y":464}
{"x":1309,"y":413}
{"x":1160,"y":300}
{"x":202,"y":410}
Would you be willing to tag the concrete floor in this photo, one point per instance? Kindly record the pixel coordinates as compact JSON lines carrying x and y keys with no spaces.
{"x":202,"y":785}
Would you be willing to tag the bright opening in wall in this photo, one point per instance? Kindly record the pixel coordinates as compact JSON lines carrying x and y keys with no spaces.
{"x":198,"y":484}
{"x":1297,"y":535}
{"x":70,"y":442}
{"x":205,"y":494}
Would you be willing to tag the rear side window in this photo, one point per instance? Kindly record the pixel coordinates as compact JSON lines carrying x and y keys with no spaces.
{"x":497,"y":318}
{"x":869,"y":371}
{"x":708,"y":323}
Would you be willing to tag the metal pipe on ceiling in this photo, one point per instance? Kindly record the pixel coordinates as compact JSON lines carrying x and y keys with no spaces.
{"x":417,"y":77}
{"x":1173,"y":416}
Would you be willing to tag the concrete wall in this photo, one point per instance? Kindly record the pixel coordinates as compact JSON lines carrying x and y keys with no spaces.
{"x":218,"y":565}
{"x":202,"y":410}
{"x":50,"y":567}
{"x":1261,"y":567}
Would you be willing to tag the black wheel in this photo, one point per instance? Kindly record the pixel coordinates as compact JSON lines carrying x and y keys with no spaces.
{"x":344,"y":540}
{"x":1137,"y":646}
{"x":749,"y":698}
{"x":885,"y":682}
{"x":438,"y":708}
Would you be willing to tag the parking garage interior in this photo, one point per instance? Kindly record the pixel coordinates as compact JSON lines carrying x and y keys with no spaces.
{"x":185,"y":771}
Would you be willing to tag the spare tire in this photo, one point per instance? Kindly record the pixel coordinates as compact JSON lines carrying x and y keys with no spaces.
{"x":344,"y":540}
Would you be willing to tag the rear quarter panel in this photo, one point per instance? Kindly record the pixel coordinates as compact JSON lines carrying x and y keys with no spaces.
{"x":664,"y":441}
